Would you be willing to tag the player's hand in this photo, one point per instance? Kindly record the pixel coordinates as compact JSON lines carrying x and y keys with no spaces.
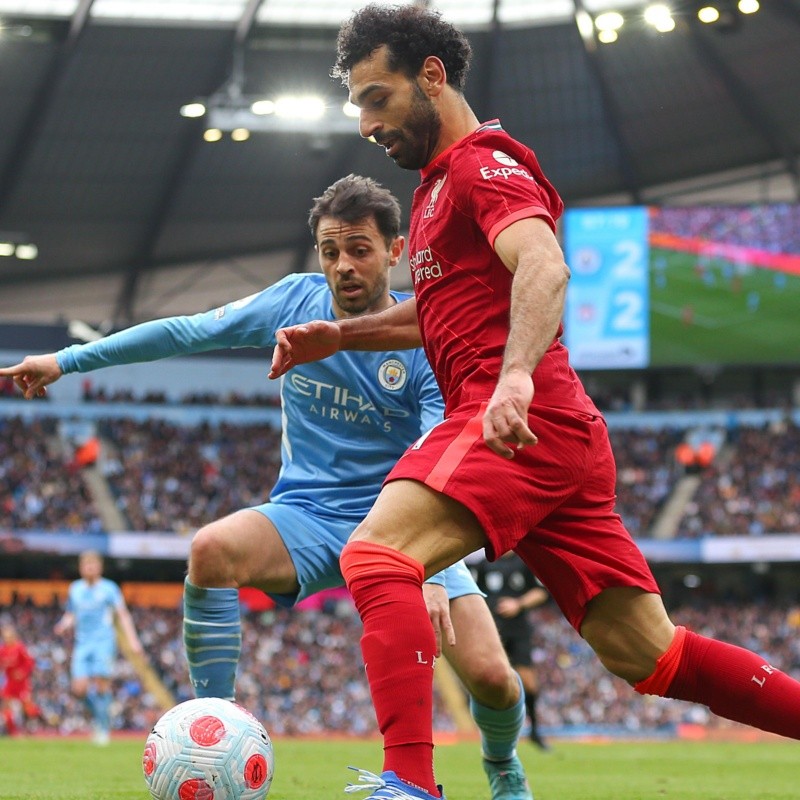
{"x":33,"y":374}
{"x":508,"y":607}
{"x":300,"y":344}
{"x":438,"y":606}
{"x":505,"y":421}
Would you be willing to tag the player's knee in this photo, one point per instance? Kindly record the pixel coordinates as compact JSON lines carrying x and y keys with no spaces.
{"x":211,"y":560}
{"x":493,"y":683}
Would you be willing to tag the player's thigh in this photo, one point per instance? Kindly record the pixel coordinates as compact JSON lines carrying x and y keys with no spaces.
{"x":629,"y":629}
{"x":426,"y":525}
{"x":247,"y":547}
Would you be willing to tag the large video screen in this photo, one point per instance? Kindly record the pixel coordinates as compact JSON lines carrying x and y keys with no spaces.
{"x":655,"y":286}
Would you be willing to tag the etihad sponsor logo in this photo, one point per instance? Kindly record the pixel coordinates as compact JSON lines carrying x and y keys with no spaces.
{"x":341,"y":404}
{"x":510,"y":168}
{"x":437,"y":187}
{"x":423,"y":267}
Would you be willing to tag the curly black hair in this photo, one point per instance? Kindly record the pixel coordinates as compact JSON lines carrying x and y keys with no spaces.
{"x":356,"y":198}
{"x":411,"y":33}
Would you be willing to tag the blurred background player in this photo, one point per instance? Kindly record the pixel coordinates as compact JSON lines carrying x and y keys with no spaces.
{"x":17,"y":665}
{"x":511,"y":592}
{"x":94,"y":603}
{"x":366,"y":408}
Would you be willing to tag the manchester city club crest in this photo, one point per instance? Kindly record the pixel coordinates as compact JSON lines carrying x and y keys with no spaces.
{"x":392,"y":375}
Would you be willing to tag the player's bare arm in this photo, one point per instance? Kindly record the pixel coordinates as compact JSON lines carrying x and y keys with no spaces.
{"x":438,"y":605}
{"x":33,"y":374}
{"x":529,"y":249}
{"x":64,"y":624}
{"x":395,"y":328}
{"x":129,"y":629}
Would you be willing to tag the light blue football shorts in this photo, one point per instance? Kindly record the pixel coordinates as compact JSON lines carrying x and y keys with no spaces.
{"x":315,"y":542}
{"x":93,"y":660}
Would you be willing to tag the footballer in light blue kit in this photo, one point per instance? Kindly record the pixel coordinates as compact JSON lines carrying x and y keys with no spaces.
{"x":93,"y":605}
{"x":345,"y":422}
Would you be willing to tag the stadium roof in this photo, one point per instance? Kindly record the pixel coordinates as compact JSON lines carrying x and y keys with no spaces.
{"x":99,"y":170}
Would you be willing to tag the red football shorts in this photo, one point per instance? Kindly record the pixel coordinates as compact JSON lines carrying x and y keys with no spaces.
{"x":553,"y":503}
{"x":15,"y":690}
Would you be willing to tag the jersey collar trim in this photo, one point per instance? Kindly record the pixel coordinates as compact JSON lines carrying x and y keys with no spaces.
{"x":491,"y":125}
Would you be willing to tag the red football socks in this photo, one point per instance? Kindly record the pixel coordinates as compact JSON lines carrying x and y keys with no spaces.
{"x":733,"y":682}
{"x":398,"y":646}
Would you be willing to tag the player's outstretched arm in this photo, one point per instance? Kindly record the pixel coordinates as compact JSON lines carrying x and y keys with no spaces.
{"x":33,"y":374}
{"x":395,"y":328}
{"x":300,"y":344}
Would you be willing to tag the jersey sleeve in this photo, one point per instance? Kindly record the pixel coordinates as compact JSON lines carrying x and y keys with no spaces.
{"x":438,"y":579}
{"x":115,"y":595}
{"x":499,"y":182}
{"x":249,"y":322}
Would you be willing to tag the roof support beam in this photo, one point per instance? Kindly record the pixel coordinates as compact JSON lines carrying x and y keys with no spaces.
{"x":748,"y":106}
{"x":31,"y":128}
{"x":125,"y":306}
{"x":627,"y":164}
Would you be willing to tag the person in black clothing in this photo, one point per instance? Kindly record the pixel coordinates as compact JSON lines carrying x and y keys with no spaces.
{"x":511,"y":591}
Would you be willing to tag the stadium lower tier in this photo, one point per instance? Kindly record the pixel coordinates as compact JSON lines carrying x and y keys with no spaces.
{"x":301,"y":672}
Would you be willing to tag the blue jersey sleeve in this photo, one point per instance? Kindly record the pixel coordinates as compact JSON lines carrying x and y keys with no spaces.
{"x":249,"y":322}
{"x":431,"y":405}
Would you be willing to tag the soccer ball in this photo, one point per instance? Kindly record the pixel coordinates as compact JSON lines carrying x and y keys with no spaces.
{"x":208,"y":749}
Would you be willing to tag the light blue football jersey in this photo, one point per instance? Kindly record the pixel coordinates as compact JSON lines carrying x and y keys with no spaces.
{"x":346,"y":419}
{"x":93,"y":606}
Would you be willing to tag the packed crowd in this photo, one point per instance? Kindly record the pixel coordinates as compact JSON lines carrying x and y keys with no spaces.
{"x":168,"y":477}
{"x":98,"y":394}
{"x":301,"y":671}
{"x":39,"y":490}
{"x":646,"y":474}
{"x":752,"y":489}
{"x":771,"y":227}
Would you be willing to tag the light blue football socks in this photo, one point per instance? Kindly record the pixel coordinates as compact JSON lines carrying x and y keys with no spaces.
{"x":212,"y":636}
{"x":499,"y":729}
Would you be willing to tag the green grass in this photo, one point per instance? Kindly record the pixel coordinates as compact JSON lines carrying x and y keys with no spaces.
{"x":75,"y":770}
{"x":724,"y":329}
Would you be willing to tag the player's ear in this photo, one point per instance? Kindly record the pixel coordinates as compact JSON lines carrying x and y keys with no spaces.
{"x":432,"y":76}
{"x":396,"y":250}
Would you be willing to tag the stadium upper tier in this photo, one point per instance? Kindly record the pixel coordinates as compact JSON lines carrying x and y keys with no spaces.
{"x":89,"y":468}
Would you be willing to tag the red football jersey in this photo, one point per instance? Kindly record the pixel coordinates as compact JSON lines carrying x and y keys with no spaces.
{"x":468,"y":195}
{"x":16,"y":662}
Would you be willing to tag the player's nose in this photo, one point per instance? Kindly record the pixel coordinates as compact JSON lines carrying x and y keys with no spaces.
{"x":368,"y":125}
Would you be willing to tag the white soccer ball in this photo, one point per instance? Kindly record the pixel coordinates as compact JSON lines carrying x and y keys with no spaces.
{"x":208,"y":749}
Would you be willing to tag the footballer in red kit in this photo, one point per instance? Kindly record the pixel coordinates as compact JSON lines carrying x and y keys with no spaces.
{"x":470,"y":193}
{"x":17,"y":665}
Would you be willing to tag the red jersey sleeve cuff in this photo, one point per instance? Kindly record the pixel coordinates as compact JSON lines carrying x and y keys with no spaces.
{"x":523,"y":213}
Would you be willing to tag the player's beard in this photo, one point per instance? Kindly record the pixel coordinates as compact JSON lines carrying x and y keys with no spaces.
{"x":419,"y":134}
{"x":370,"y":300}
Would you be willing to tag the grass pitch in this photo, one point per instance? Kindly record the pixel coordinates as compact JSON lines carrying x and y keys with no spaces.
{"x":73,"y":769}
{"x":716,"y":316}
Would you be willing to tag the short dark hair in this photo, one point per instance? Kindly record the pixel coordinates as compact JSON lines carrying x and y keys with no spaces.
{"x":354,"y":198}
{"x":411,"y":33}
